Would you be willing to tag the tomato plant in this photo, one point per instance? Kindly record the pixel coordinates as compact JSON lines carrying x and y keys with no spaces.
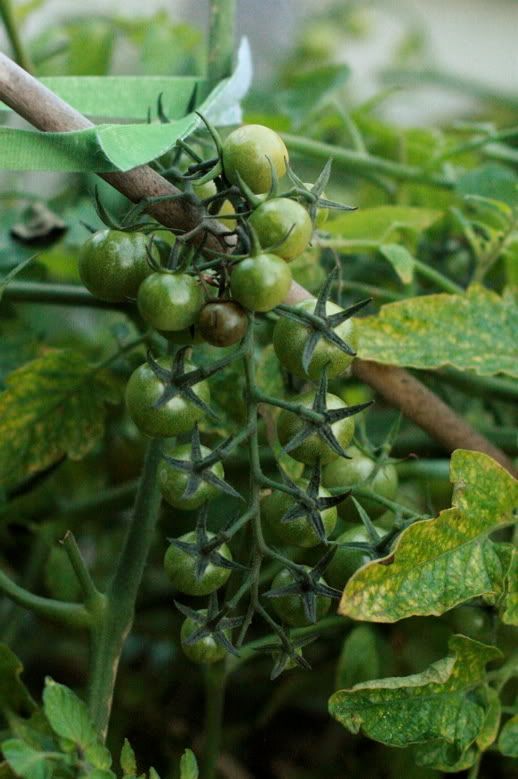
{"x":257,"y":404}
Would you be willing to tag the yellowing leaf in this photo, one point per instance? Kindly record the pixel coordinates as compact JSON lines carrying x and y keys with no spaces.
{"x":53,"y":406}
{"x":473,"y":332}
{"x":509,"y":613}
{"x":446,"y":703}
{"x":439,"y":563}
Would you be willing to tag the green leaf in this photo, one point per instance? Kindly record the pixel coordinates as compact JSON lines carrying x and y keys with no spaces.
{"x":67,"y":714}
{"x":472,"y":332}
{"x":491,"y":181}
{"x":509,"y":613}
{"x":439,"y":563}
{"x":28,"y":762}
{"x":188,"y":766}
{"x":445,"y":703}
{"x":128,"y":761}
{"x":53,"y":406}
{"x":489,"y":730}
{"x":382,"y":222}
{"x":443,"y":757}
{"x":508,"y":739}
{"x":13,"y":694}
{"x":400,"y":259}
{"x":359,"y":659}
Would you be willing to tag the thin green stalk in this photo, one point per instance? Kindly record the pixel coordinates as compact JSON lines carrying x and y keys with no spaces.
{"x":55,"y":294}
{"x":490,"y":387}
{"x":90,"y":592}
{"x":20,"y":53}
{"x":361,"y":164}
{"x":427,"y":469}
{"x":72,"y":614}
{"x":215,"y":683}
{"x":221,"y":39}
{"x":114,"y":621}
{"x":366,"y":492}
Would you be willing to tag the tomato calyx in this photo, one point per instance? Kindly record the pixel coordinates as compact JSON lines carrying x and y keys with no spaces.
{"x":313,"y":194}
{"x":309,"y":504}
{"x":214,"y":623}
{"x":286,"y":653}
{"x":199,"y":467}
{"x":321,"y":325}
{"x":177,"y":382}
{"x":308,"y":585}
{"x":322,"y":419}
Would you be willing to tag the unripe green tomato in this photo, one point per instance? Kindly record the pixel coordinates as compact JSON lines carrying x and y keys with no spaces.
{"x":471,"y":621}
{"x":307,"y":270}
{"x":348,"y":473}
{"x":222,"y":322}
{"x":173,"y":481}
{"x":251,"y":151}
{"x":113,"y":264}
{"x":260,"y":283}
{"x":297,"y":532}
{"x":314,"y":447}
{"x":170,"y":301}
{"x":177,"y":416}
{"x":290,"y":608}
{"x":282,"y":226}
{"x":290,"y":337}
{"x":347,"y":561}
{"x":205,"y":650}
{"x":203,"y":191}
{"x":180,"y":567}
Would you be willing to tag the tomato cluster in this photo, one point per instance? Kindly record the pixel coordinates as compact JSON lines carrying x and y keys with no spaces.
{"x":193,"y":296}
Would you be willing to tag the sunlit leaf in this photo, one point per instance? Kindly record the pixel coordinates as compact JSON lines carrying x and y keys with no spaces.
{"x":188,"y":766}
{"x":439,"y":563}
{"x":472,"y":332}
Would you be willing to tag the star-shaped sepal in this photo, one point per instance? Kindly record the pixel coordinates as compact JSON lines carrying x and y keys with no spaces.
{"x":200,"y":468}
{"x":309,"y":504}
{"x":308,"y":585}
{"x":287,"y":653}
{"x":205,"y":549}
{"x":313,"y":195}
{"x":178,"y":382}
{"x":322,"y":420}
{"x":214,"y":623}
{"x":320,"y":324}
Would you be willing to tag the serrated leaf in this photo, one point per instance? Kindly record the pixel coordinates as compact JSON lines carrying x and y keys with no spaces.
{"x":509,"y":612}
{"x":439,"y":563}
{"x":188,"y":766}
{"x":445,"y":703}
{"x":508,"y":739}
{"x":27,"y":762}
{"x":382,"y":222}
{"x":128,"y":761}
{"x":69,"y":718}
{"x":472,"y":332}
{"x":53,"y":406}
{"x":400,"y":259}
{"x":359,"y":659}
{"x":13,"y":693}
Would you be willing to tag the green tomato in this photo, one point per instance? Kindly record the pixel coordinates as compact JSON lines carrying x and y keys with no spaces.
{"x":282,"y":226}
{"x":222,"y":323}
{"x":471,"y":621}
{"x":177,"y":416}
{"x":298,"y":532}
{"x":170,"y":301}
{"x":290,"y":608}
{"x":205,"y":650}
{"x":347,"y":561}
{"x":290,"y":337}
{"x":113,"y":264}
{"x":250,"y":152}
{"x":203,"y":191}
{"x":307,"y":270}
{"x":314,"y":447}
{"x":180,"y":567}
{"x":173,"y":481}
{"x":260,"y":283}
{"x":347,"y":473}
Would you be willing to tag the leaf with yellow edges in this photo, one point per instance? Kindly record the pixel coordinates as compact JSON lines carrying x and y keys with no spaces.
{"x":439,"y":563}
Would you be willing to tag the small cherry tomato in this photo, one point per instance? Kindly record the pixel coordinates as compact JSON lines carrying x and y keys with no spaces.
{"x":177,"y":416}
{"x":113,"y":264}
{"x":251,"y":151}
{"x":283,"y":226}
{"x":356,"y":471}
{"x":289,"y":608}
{"x":222,"y":323}
{"x":347,"y":560}
{"x":170,"y":301}
{"x":203,"y":651}
{"x":180,"y":567}
{"x":173,"y":482}
{"x":260,"y":283}
{"x":299,"y":531}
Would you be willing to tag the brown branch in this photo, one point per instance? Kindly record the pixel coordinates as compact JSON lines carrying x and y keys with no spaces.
{"x":43,"y":109}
